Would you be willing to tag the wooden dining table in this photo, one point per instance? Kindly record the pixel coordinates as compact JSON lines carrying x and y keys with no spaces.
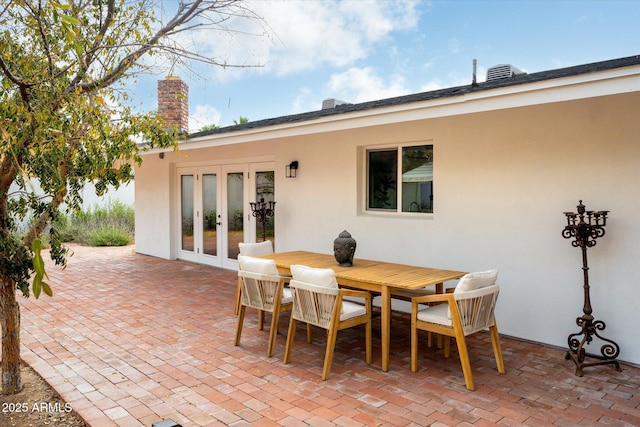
{"x":374,"y":276}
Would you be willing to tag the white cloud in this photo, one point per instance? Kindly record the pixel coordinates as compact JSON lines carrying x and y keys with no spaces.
{"x":454,"y":46}
{"x":481,"y":74}
{"x":303,"y":101}
{"x":204,"y":115}
{"x":433,"y":85}
{"x":303,"y":35}
{"x":363,"y":84}
{"x":332,"y":33}
{"x":455,"y":79}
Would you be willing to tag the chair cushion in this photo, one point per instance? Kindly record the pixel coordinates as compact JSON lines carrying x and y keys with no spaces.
{"x":287,"y":297}
{"x":351,"y":309}
{"x":436,"y":314}
{"x":316,"y":276}
{"x":257,"y":265}
{"x":480,"y":279}
{"x":256,"y":249}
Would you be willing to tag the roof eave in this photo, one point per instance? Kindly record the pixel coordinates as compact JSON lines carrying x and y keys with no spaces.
{"x":487,"y":96}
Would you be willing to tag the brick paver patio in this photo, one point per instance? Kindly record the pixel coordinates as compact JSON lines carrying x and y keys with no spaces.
{"x":130,"y":339}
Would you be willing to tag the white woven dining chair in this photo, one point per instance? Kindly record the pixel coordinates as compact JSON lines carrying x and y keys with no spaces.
{"x":458,"y":314}
{"x":253,"y":249}
{"x":262,"y":289}
{"x":318,"y":301}
{"x":256,"y":249}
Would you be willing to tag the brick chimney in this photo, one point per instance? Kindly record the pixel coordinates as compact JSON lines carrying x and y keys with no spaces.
{"x":173,"y":103}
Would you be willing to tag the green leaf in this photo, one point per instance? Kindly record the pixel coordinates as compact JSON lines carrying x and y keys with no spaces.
{"x":38,"y":267}
{"x":59,"y":5}
{"x":37,"y":286}
{"x":47,"y":289}
{"x":70,"y":19}
{"x":78,"y":48}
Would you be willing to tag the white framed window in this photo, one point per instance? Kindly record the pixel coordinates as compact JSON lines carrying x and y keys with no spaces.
{"x":399,"y":179}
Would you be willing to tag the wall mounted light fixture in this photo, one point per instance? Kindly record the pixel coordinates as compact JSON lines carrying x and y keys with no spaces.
{"x":291,"y":169}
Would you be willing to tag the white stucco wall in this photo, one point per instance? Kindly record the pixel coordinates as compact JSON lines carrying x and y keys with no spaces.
{"x":502,"y":180}
{"x":125,"y":194}
{"x":153,"y":187}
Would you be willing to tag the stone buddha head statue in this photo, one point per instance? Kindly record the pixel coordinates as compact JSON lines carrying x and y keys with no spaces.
{"x":344,"y":247}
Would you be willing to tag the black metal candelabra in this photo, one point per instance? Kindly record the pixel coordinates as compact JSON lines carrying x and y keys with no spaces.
{"x":584,"y":227}
{"x":262,"y":211}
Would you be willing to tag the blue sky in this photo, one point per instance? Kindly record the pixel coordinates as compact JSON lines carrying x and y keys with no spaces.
{"x":362,"y":50}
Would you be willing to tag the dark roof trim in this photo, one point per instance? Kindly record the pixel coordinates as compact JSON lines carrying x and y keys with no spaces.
{"x":436,"y":94}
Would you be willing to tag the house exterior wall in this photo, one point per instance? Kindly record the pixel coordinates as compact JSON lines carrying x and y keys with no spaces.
{"x":153,"y":213}
{"x":502,"y":180}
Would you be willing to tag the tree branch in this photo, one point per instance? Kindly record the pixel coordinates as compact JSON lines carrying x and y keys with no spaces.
{"x":89,"y":56}
{"x":187,"y":11}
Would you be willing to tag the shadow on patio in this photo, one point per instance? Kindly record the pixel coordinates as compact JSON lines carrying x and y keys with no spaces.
{"x":129,"y":339}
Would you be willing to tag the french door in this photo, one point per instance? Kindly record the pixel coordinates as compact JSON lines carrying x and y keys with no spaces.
{"x":213,"y":211}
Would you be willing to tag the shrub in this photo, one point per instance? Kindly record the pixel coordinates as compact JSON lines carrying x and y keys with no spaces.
{"x":109,"y":225}
{"x":108,"y":235}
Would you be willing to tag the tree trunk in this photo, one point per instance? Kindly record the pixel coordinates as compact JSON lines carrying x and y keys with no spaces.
{"x":10,"y":319}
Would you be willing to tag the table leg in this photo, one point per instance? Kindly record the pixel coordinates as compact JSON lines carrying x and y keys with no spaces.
{"x":385,"y":326}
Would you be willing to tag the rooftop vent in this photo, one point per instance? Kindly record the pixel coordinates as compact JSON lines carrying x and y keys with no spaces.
{"x":332,"y":103}
{"x":503,"y":71}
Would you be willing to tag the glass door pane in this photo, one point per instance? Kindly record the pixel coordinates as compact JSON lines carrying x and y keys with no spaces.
{"x":210,"y":216}
{"x":265,"y":190}
{"x":235,"y":212}
{"x":187,"y":213}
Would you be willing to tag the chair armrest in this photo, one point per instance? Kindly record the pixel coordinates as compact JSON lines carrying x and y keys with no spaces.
{"x":436,"y":298}
{"x":354,"y":293}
